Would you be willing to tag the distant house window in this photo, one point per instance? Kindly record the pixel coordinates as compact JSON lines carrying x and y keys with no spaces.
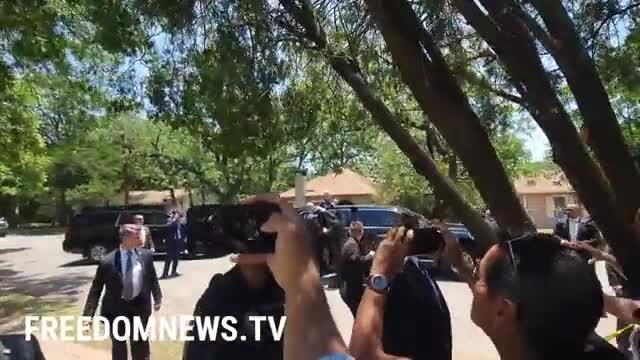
{"x":531,"y":182}
{"x":560,"y":202}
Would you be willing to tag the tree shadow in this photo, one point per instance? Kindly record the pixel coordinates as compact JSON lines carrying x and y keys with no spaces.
{"x":78,"y":263}
{"x":36,"y":295}
{"x":36,"y":231}
{"x":13,"y":250}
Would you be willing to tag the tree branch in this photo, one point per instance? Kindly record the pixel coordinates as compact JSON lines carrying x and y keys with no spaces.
{"x":610,"y":17}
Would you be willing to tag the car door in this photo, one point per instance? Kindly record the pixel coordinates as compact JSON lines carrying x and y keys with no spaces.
{"x":103,"y":229}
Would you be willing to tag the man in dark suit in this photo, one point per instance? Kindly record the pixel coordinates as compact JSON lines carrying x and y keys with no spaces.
{"x":129,"y":278}
{"x":575,"y":228}
{"x":356,"y":256}
{"x":175,"y":240}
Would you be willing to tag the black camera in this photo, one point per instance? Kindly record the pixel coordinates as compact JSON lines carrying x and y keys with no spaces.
{"x":426,"y":240}
{"x":241,"y":227}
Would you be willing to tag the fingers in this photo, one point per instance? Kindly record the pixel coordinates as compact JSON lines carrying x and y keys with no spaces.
{"x":250,"y":259}
{"x":397,"y":234}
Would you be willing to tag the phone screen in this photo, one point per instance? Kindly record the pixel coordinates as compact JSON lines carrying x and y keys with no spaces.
{"x":241,"y":225}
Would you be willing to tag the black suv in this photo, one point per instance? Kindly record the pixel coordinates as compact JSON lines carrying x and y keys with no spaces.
{"x":202,"y":232}
{"x":379,"y":219}
{"x":94,"y":233}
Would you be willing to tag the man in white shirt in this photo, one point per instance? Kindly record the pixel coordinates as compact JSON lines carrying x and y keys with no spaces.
{"x":576,"y":228}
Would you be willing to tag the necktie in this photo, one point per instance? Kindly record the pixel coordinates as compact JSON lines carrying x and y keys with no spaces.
{"x":127,"y":292}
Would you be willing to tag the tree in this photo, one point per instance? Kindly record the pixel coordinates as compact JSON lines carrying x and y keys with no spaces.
{"x":349,"y":70}
{"x":22,"y":152}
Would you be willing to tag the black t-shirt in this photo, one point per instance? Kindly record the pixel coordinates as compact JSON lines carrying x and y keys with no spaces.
{"x":417,"y":323}
{"x":229,"y":295}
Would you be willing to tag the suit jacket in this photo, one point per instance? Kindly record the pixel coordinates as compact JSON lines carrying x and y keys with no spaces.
{"x":109,"y":277}
{"x":354,"y":267}
{"x":175,"y":239}
{"x":586,"y":230}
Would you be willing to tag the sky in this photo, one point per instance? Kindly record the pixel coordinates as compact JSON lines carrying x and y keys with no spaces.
{"x":536,"y":142}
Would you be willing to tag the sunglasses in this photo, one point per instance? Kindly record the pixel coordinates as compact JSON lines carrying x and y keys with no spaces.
{"x":513,"y":248}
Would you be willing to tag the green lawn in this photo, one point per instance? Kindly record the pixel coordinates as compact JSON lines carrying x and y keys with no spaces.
{"x":14,"y":306}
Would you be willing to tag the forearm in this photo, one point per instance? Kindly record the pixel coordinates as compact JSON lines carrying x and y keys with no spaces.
{"x":310,"y":331}
{"x":366,"y":339}
{"x":622,"y":308}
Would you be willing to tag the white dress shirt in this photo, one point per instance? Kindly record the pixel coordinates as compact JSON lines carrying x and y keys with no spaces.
{"x":573,"y":228}
{"x":137,"y":269}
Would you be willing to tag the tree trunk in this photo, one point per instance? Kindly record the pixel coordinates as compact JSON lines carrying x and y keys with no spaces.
{"x":514,"y":46}
{"x":422,"y":162}
{"x":190,"y":193}
{"x":172,"y":196}
{"x":434,"y":86}
{"x":61,"y":208}
{"x":606,"y":137}
{"x":453,"y":167}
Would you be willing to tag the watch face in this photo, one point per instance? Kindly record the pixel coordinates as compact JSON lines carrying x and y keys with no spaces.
{"x":379,"y":282}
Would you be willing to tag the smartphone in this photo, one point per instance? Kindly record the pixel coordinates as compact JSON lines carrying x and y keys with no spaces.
{"x":427,"y":240}
{"x":240,"y":226}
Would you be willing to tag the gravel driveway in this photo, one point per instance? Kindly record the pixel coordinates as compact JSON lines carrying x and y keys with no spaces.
{"x":37,"y":266}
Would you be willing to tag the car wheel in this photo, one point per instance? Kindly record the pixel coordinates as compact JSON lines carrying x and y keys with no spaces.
{"x":97,"y":252}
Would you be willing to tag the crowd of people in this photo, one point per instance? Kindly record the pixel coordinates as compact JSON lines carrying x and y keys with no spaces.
{"x":536,"y":296}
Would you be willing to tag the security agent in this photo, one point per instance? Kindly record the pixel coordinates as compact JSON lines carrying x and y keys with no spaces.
{"x":129,"y":278}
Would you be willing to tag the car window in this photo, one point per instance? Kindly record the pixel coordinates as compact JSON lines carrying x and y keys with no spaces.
{"x":156,"y":218}
{"x":343,"y":215}
{"x":80,"y":220}
{"x":106,"y":218}
{"x":377,"y":217}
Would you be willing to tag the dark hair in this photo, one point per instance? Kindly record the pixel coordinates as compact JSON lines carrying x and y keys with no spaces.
{"x":557,"y":294}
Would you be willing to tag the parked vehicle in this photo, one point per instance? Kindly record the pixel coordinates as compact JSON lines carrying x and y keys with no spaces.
{"x":379,"y":219}
{"x":4,"y":227}
{"x":95,"y":233}
{"x":202,"y":236}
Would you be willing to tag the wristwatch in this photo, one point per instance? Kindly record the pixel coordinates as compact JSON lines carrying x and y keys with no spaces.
{"x":378,"y":283}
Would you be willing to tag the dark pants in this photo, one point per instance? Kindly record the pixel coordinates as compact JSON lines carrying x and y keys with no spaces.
{"x":352,"y":295}
{"x":139,"y":348}
{"x":171,"y":260}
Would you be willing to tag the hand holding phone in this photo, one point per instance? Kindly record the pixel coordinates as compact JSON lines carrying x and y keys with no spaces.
{"x":292,"y":262}
{"x":241,"y":227}
{"x":426,"y":240}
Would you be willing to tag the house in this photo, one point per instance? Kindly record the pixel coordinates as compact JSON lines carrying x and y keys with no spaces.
{"x":343,"y":185}
{"x":545,"y":197}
